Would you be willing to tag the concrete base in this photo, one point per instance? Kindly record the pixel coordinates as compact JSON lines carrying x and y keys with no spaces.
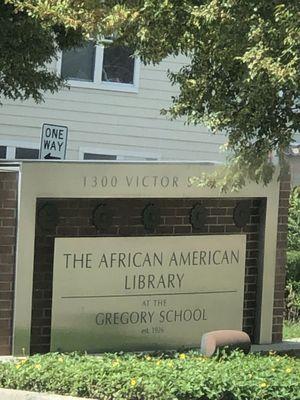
{"x":289,"y":347}
{"x":7,"y":394}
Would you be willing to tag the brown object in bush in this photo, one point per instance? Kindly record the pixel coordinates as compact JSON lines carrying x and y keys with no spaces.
{"x":229,"y":339}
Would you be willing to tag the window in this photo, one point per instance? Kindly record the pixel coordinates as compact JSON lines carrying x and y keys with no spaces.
{"x":118,"y":65}
{"x":110,"y":67}
{"x":120,"y":155}
{"x":94,"y":156}
{"x":28,"y":151}
{"x":23,"y":153}
{"x":2,"y":151}
{"x":79,"y":63}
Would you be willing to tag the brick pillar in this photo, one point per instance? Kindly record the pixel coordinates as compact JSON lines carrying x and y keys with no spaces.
{"x":278,"y":310}
{"x":8,"y":221}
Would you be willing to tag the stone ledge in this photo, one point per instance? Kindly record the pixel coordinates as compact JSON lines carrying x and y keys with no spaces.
{"x":290,"y":347}
{"x":9,"y":394}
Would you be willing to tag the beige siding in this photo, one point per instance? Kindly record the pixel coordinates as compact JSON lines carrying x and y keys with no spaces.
{"x":111,"y":121}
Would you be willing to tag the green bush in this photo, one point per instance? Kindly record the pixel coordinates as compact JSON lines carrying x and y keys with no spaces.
{"x":291,"y":330}
{"x":292,"y":293}
{"x":294,"y":220}
{"x":292,"y":301}
{"x":293,"y":265}
{"x":144,"y":377}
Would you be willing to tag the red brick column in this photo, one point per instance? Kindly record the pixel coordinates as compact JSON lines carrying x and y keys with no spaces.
{"x":8,"y":221}
{"x":278,"y":310}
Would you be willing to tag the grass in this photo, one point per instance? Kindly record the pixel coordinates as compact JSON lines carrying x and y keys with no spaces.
{"x":291,"y":330}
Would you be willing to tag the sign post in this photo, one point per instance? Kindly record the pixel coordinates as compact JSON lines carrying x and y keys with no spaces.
{"x":53,"y":142}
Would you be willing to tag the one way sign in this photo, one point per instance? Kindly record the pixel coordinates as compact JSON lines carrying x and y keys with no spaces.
{"x":53,"y":142}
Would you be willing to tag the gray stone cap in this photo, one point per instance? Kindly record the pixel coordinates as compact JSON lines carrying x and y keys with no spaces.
{"x":8,"y":394}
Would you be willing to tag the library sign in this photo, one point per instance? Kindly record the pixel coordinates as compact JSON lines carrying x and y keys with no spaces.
{"x":145,"y":293}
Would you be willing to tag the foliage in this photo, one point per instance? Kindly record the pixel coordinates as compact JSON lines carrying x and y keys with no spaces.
{"x":291,"y":330}
{"x":242,"y":72}
{"x":293,"y":265}
{"x":292,"y":301}
{"x":26,"y":47}
{"x":292,"y":298}
{"x":294,"y":227}
{"x":183,"y":377}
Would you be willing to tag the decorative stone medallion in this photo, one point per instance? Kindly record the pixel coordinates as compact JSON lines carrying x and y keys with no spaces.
{"x":47,"y":216}
{"x":102,"y":217}
{"x":241,"y":214}
{"x":198,"y":216}
{"x":151,"y":217}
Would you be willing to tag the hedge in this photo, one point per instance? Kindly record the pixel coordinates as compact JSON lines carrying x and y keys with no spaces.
{"x":186,"y":376}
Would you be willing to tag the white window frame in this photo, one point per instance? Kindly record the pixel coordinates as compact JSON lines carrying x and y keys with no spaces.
{"x":11,"y":146}
{"x":97,"y":79}
{"x":121,"y":155}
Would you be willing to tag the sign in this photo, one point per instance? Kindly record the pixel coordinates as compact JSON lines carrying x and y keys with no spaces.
{"x":53,"y":142}
{"x":145,"y":293}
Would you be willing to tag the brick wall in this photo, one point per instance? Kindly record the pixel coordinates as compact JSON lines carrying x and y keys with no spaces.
{"x":278,"y":309}
{"x":75,"y":220}
{"x":8,"y":220}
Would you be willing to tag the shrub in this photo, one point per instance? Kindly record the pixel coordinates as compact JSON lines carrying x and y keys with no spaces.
{"x":293,"y":265}
{"x":292,"y":293}
{"x":144,"y":377}
{"x":292,"y":301}
{"x":294,"y":220}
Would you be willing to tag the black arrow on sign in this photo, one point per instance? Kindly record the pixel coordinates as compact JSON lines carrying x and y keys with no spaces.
{"x":49,"y":157}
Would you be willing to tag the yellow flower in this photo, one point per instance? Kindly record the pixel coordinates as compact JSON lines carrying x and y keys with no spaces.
{"x":170,"y":364}
{"x":148,"y":358}
{"x":18,"y":365}
{"x":133,"y":382}
{"x":115,"y":363}
{"x":288,"y":370}
{"x":263,"y":385}
{"x":158,"y":362}
{"x":182,"y":356}
{"x":61,"y":359}
{"x":37,"y":366}
{"x":273,"y":369}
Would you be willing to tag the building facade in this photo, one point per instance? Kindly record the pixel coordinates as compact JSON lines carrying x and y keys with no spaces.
{"x":112,"y":110}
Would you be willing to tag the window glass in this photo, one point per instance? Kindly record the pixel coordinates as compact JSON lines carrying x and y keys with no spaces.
{"x":91,"y":156}
{"x":79,"y":63}
{"x":2,"y":151}
{"x":118,"y":65}
{"x":26,"y":154}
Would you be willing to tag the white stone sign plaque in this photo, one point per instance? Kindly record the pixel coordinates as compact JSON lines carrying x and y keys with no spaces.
{"x":145,"y":293}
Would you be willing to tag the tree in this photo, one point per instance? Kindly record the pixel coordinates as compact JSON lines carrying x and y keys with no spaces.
{"x":26,"y":46}
{"x":243,"y":70}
